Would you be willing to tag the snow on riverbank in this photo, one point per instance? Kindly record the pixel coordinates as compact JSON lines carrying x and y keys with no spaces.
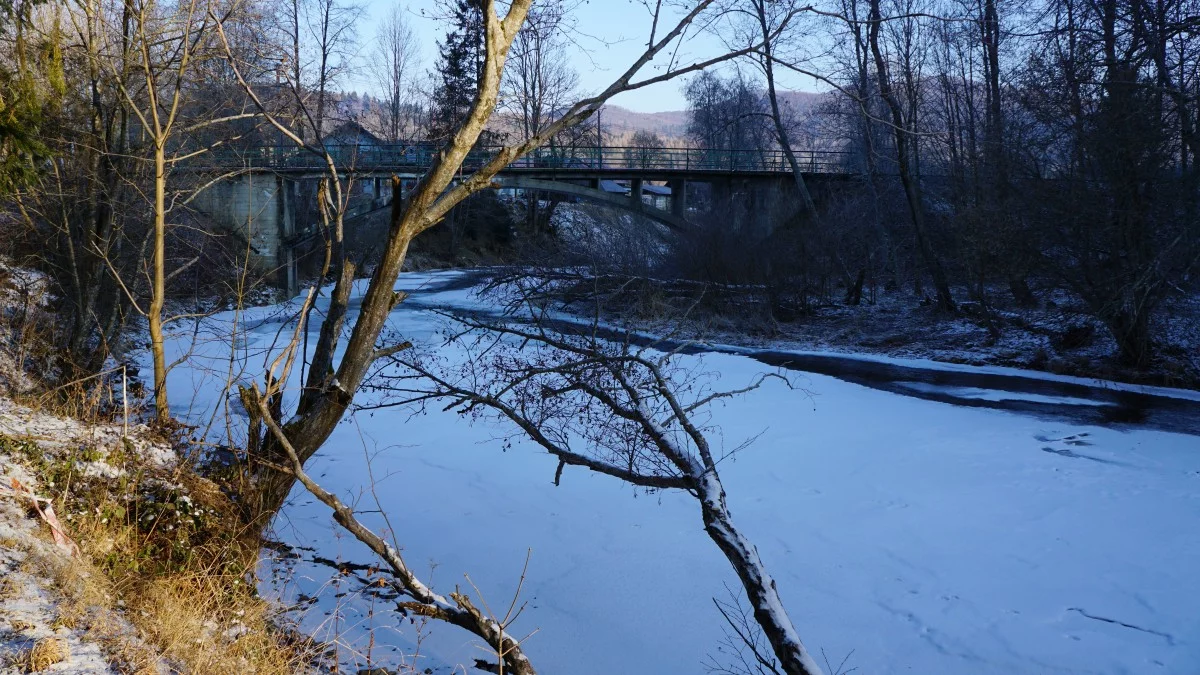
{"x":41,"y":601}
{"x":920,"y":536}
{"x":464,"y":297}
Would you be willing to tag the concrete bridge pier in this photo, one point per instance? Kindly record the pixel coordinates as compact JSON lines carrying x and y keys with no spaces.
{"x":679,"y":198}
{"x":721,"y":192}
{"x":260,"y":209}
{"x":758,"y":202}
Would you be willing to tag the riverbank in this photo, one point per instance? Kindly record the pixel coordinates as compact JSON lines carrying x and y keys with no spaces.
{"x":1056,"y":336}
{"x":118,"y":557}
{"x":116,"y":554}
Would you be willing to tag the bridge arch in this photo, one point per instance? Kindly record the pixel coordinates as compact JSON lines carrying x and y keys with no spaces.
{"x":594,"y":194}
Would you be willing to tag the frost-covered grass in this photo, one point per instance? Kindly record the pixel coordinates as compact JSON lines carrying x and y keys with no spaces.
{"x":911,"y":535}
{"x":159,"y":581}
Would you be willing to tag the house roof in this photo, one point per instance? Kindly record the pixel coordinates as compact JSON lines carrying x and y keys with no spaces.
{"x":352,"y":128}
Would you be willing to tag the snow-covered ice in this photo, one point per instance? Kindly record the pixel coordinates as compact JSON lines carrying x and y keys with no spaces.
{"x":981,"y":394}
{"x":913,"y":535}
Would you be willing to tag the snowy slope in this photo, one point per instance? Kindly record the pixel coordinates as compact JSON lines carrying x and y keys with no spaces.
{"x":913,"y":535}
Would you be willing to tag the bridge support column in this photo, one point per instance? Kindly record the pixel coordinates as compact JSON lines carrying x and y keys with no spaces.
{"x":722,"y":192}
{"x":635,"y":192}
{"x":758,"y":202}
{"x":291,"y":273}
{"x":679,"y":198}
{"x":285,"y":191}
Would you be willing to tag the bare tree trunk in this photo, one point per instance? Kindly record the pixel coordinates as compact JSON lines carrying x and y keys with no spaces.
{"x":912,"y":189}
{"x":757,"y":582}
{"x":767,"y":59}
{"x":158,"y":289}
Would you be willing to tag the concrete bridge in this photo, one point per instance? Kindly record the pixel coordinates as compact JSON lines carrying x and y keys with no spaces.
{"x":271,"y":201}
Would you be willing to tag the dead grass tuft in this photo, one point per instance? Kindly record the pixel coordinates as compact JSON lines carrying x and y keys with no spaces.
{"x":68,"y":617}
{"x":45,"y":653}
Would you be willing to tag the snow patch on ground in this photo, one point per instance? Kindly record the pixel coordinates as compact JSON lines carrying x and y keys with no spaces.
{"x":30,"y":603}
{"x":57,"y":436}
{"x":29,"y":600}
{"x":23,"y":286}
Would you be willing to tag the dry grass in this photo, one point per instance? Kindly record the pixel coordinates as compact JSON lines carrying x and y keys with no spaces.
{"x":45,"y":653}
{"x":7,"y":588}
{"x":165,"y":552}
{"x":179,"y":564}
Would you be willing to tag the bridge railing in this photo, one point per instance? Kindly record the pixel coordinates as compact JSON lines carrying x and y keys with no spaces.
{"x":419,"y":156}
{"x":682,"y":159}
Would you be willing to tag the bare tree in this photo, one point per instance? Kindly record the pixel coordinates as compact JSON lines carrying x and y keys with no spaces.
{"x":395,"y":59}
{"x":316,"y":51}
{"x":329,"y":389}
{"x":903,"y":129}
{"x":539,"y":82}
{"x":621,"y":411}
{"x":1121,"y":216}
{"x":82,"y":200}
{"x":165,"y":46}
{"x":645,"y":149}
{"x":730,"y":116}
{"x":769,"y":20}
{"x":538,"y":85}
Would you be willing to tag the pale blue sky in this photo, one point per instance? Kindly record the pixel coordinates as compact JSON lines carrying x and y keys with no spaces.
{"x":609,"y":36}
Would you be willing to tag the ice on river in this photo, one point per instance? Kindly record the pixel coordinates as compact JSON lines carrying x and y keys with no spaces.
{"x":914,"y":536}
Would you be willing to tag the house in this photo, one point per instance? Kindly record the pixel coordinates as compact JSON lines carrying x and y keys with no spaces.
{"x":658,"y":196}
{"x":352,"y":133}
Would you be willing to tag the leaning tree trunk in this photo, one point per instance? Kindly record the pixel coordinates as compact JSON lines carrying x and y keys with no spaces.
{"x":331,"y":389}
{"x":806,"y":200}
{"x":760,"y":587}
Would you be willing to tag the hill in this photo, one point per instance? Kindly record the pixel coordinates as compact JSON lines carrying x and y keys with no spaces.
{"x":672,"y":124}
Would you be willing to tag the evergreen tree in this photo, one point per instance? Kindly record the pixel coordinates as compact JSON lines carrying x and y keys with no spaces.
{"x":461,"y":57}
{"x":30,"y":84}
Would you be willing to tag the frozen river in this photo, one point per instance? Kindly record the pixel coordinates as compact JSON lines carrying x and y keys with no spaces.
{"x":918,"y":518}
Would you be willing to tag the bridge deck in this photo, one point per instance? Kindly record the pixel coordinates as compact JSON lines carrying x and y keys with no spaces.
{"x":562,"y":162}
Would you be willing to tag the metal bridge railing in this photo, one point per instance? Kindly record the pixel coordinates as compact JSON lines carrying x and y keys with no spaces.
{"x":419,"y":156}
